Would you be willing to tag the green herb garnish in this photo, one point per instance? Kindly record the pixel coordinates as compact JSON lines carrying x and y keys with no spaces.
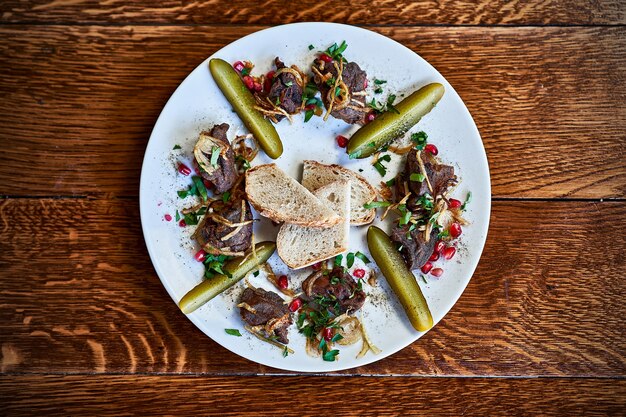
{"x":418,"y":177}
{"x":233,"y":332}
{"x":307,"y":115}
{"x":285,"y":352}
{"x":335,"y":51}
{"x":176,"y":147}
{"x":311,"y":47}
{"x":197,"y":182}
{"x":391,"y":182}
{"x":350,"y":260}
{"x":177,"y":216}
{"x":362,"y":257}
{"x":382,"y":170}
{"x":338,"y":260}
{"x":376,"y":204}
{"x":215,"y":154}
{"x":226,"y":196}
{"x":419,"y":139}
{"x":468,"y":199}
{"x":378,"y":90}
{"x":288,"y":83}
{"x":379,"y":82}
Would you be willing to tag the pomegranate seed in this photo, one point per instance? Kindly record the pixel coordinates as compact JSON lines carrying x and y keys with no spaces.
{"x":238,"y":66}
{"x":168,"y":218}
{"x":283,"y":282}
{"x":326,"y":58}
{"x":365,"y":84}
{"x":439,"y":246}
{"x":200,"y":255}
{"x":258,"y":86}
{"x":455,"y":230}
{"x":342,"y":141}
{"x":295,"y":305}
{"x":184,"y":169}
{"x":448,"y":253}
{"x":454,"y":203}
{"x":310,"y":107}
{"x":270,"y":75}
{"x":430,"y":148}
{"x":359,"y":273}
{"x":434,"y":257}
{"x":207,"y":183}
{"x":370,"y":117}
{"x":182,"y":223}
{"x":267,"y":85}
{"x":437,"y":272}
{"x":327,"y":333}
{"x":426,"y":267}
{"x":249,"y":82}
{"x":317,"y":266}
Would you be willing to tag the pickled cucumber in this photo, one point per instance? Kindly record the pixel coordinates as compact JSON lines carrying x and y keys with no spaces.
{"x":243,"y":103}
{"x":238,"y":268}
{"x":389,"y":125}
{"x":401,"y":280}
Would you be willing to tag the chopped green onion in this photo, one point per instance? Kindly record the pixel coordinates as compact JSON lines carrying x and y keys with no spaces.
{"x":214,"y":156}
{"x":418,"y":177}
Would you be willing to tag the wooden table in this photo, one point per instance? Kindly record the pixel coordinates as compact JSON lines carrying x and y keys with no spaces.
{"x":86,"y":326}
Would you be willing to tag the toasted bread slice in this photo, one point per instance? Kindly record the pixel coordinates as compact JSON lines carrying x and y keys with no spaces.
{"x":300,"y":246}
{"x":281,"y":198}
{"x":316,"y":175}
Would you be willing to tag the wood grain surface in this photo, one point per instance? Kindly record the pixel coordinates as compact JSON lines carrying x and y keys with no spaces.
{"x":79,"y":295}
{"x":312,"y":396}
{"x":79,"y":103}
{"x":396,"y":12}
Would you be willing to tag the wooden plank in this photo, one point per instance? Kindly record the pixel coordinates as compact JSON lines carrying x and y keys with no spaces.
{"x":235,"y":396}
{"x":398,"y":12}
{"x":79,"y":295}
{"x":79,"y":103}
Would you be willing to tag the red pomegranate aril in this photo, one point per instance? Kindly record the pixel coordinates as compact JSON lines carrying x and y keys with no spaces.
{"x":430,"y":148}
{"x":439,"y":246}
{"x":327,"y":333}
{"x":434,"y":257}
{"x":248,"y":81}
{"x":449,"y":252}
{"x":168,"y":218}
{"x":182,"y":223}
{"x":426,"y":267}
{"x":283,"y":282}
{"x":184,"y":169}
{"x":207,"y":183}
{"x":326,"y":58}
{"x":257,"y":86}
{"x":359,"y":273}
{"x":295,"y":305}
{"x":238,"y":66}
{"x":310,"y":107}
{"x":455,"y":230}
{"x":437,"y":272}
{"x":270,"y":75}
{"x":370,"y":117}
{"x":454,"y":203}
{"x":200,"y":256}
{"x":342,"y":141}
{"x":365,"y":84}
{"x":317,"y":266}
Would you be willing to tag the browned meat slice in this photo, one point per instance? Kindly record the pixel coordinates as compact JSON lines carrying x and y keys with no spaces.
{"x":336,"y":290}
{"x":221,"y":230}
{"x":348,"y":106}
{"x":265,"y":308}
{"x":414,"y":248}
{"x":220,"y":171}
{"x":286,"y":89}
{"x":440,"y":176}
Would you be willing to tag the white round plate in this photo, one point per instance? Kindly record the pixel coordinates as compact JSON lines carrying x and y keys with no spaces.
{"x":197,"y":104}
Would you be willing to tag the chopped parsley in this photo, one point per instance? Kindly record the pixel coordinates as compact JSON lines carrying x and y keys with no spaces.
{"x":226,"y":196}
{"x":390,"y":107}
{"x":362,"y":257}
{"x":468,"y":200}
{"x":382,"y":170}
{"x":419,"y":139}
{"x":311,"y":47}
{"x":176,"y":147}
{"x":245,"y":164}
{"x":336,"y":338}
{"x":334,"y":280}
{"x":391,"y":182}
{"x":350,"y":260}
{"x":214,"y":264}
{"x":285,"y":352}
{"x":233,"y":332}
{"x":307,"y":115}
{"x":379,"y":82}
{"x":338,"y":260}
{"x":376,"y":204}
{"x":197,"y":182}
{"x":256,"y":273}
{"x":329,"y":356}
{"x":177,"y":216}
{"x":335,"y":51}
{"x":378,"y":90}
{"x":405,"y":215}
{"x":418,"y":177}
{"x":379,"y":107}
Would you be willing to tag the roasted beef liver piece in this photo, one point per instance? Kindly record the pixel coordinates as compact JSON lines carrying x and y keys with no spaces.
{"x":344,"y":291}
{"x":224,"y":175}
{"x":441,"y":176}
{"x":355,"y":79}
{"x":269,"y":312}
{"x":286,"y":91}
{"x":210,"y":232}
{"x":415,"y":250}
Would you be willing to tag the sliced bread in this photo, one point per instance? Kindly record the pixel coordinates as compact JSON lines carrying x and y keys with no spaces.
{"x":316,"y":175}
{"x":300,"y":246}
{"x":281,"y":198}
